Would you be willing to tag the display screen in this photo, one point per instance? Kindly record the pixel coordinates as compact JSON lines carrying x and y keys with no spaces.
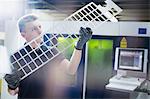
{"x":131,"y":59}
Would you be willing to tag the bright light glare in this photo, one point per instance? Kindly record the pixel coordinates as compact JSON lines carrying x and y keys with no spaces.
{"x":9,"y":7}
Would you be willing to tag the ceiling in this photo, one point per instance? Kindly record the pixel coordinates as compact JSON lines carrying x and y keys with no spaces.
{"x":133,"y":10}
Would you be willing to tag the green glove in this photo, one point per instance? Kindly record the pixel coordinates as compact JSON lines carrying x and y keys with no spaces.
{"x":85,"y":35}
{"x":13,"y":79}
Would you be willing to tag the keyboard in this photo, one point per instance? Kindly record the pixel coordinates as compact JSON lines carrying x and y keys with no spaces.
{"x":124,"y":83}
{"x":127,"y":80}
{"x":121,"y":87}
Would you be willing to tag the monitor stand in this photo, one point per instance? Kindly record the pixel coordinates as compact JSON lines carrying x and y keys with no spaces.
{"x":121,"y":73}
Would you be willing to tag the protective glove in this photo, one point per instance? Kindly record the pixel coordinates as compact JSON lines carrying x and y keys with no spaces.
{"x":85,"y":35}
{"x":13,"y":79}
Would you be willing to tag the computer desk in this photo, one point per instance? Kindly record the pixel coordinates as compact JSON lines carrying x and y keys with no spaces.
{"x":139,"y":88}
{"x":125,"y":84}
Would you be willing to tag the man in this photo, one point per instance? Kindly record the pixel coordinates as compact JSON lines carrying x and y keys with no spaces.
{"x":41,"y":83}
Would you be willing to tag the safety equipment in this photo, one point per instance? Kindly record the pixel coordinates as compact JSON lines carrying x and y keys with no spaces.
{"x":13,"y":79}
{"x":85,"y":35}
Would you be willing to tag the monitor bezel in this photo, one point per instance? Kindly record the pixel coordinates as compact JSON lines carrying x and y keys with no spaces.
{"x":131,"y":50}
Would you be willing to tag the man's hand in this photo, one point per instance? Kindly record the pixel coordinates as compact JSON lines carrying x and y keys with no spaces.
{"x":13,"y":79}
{"x":13,"y":92}
{"x":85,"y":35}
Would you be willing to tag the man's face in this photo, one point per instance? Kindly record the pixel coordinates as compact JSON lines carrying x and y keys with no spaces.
{"x":32,"y":30}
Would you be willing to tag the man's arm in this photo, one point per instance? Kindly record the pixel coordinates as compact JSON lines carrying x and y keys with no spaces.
{"x":72,"y":65}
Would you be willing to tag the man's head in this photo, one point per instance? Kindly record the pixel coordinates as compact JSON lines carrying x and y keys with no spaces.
{"x":29,"y":27}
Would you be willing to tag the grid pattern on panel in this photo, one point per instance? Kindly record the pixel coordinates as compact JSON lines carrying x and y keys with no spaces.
{"x":27,"y":59}
{"x":93,"y":12}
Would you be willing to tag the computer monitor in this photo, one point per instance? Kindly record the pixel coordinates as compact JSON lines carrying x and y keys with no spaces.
{"x":131,"y":59}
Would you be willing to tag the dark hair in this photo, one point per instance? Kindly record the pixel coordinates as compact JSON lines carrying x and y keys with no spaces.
{"x":25,"y":19}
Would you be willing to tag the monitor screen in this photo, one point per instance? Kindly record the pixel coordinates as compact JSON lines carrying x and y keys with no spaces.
{"x":131,"y":59}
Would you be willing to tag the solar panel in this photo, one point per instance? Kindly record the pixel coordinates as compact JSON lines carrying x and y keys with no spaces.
{"x":27,"y":59}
